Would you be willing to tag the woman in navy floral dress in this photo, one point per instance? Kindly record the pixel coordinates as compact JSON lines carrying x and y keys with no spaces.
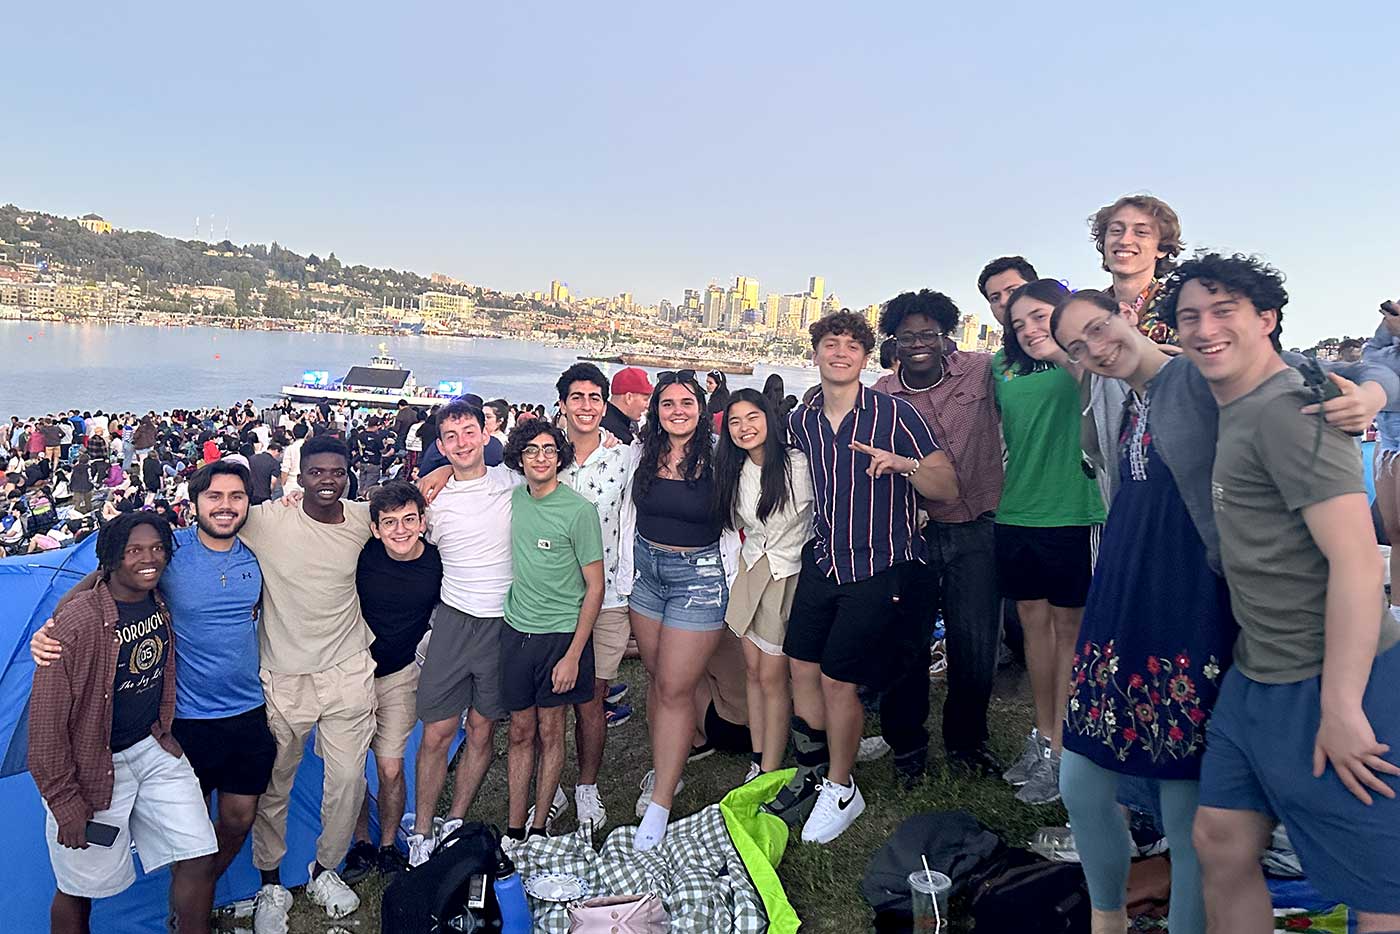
{"x":1154,"y":642}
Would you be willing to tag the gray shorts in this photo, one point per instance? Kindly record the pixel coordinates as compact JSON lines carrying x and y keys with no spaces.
{"x":463,"y":667}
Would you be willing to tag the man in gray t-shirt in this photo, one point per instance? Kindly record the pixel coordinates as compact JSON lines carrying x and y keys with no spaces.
{"x":1305,"y":720}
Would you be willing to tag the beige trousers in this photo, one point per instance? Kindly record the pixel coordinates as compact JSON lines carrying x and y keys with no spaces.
{"x":340,"y":703}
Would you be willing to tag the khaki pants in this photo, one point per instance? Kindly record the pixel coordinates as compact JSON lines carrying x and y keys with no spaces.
{"x":340,"y":703}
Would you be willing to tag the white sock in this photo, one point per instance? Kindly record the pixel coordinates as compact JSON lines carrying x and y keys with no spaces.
{"x":653,"y":829}
{"x":577,"y":787}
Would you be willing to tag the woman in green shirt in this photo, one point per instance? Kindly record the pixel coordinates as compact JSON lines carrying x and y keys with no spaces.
{"x":1047,"y":521}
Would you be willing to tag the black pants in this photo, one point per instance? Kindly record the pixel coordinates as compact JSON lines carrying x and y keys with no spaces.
{"x":960,"y":580}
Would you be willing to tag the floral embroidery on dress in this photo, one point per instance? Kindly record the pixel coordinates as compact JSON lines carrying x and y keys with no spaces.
{"x":1157,"y":711}
{"x":1137,"y":437}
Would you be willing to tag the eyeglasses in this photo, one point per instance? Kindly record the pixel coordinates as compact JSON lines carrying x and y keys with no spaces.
{"x":675,"y":376}
{"x":535,"y":451}
{"x":1095,"y":332}
{"x":917,"y":338}
{"x":412,"y":522}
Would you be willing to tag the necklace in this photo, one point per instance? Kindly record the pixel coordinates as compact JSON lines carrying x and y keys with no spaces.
{"x":909,"y":388}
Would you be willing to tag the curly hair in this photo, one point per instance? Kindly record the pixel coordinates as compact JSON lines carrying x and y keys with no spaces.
{"x":111,"y":541}
{"x":1005,"y":264}
{"x":1239,"y":275}
{"x":582,"y":373}
{"x":932,"y":305}
{"x":1049,"y":291}
{"x":696,"y":458}
{"x":1168,"y":228}
{"x":525,"y":433}
{"x":845,"y":322}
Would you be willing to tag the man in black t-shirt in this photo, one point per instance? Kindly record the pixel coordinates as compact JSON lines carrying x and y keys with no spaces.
{"x":264,"y":466}
{"x":398,"y":578}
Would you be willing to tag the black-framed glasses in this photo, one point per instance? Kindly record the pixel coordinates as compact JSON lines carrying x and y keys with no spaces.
{"x":675,"y":376}
{"x":917,"y":338}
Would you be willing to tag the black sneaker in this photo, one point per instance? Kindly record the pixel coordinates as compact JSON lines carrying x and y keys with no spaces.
{"x":392,"y":860}
{"x":703,"y":751}
{"x":792,"y":807}
{"x":979,"y":761}
{"x":910,"y":767}
{"x":362,"y":860}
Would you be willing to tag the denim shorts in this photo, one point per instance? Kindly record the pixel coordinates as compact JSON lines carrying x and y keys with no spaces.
{"x":1258,"y":758}
{"x":682,"y":589}
{"x":1388,"y":431}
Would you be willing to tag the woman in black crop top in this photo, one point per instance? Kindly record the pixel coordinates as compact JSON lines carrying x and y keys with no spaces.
{"x":679,"y":596}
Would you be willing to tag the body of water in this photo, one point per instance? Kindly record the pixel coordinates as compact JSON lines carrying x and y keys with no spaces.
{"x":47,"y":367}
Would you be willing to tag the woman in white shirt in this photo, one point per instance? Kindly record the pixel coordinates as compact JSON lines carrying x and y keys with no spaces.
{"x":765,"y":491}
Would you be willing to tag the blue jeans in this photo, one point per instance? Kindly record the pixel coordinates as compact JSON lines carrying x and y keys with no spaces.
{"x":1105,"y":846}
{"x":682,"y":589}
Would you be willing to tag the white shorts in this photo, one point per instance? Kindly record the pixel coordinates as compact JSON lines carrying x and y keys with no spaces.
{"x":156,"y":803}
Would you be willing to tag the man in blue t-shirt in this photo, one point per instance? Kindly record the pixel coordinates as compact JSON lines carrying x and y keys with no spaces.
{"x":212,"y":586}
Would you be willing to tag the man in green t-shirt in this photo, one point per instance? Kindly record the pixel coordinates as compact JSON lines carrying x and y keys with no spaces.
{"x":1306,"y":718}
{"x":553,"y":601}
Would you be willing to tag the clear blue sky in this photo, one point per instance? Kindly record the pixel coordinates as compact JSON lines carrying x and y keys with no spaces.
{"x":652,"y":146}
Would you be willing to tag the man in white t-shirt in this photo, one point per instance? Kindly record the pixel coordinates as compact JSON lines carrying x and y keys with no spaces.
{"x":469,"y":522}
{"x":291,"y":459}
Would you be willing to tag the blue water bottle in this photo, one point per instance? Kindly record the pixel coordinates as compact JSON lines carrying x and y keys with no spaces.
{"x":510,"y":896}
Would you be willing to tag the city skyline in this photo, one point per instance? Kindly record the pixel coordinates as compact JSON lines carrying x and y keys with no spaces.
{"x":902,"y":149}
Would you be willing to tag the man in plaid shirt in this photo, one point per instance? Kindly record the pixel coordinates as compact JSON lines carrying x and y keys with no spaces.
{"x":100,"y":747}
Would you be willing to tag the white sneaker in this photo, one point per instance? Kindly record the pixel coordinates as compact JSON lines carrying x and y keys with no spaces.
{"x":872,"y":748}
{"x":557,"y":808}
{"x":420,"y":847}
{"x":592,"y":817}
{"x":331,"y":894}
{"x":835,"y":810}
{"x":442,"y":829}
{"x":648,"y":786}
{"x":270,"y":909}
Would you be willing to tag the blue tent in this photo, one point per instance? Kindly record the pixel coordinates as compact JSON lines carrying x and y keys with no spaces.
{"x":30,"y":586}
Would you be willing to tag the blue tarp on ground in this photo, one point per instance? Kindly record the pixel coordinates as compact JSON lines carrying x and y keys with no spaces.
{"x":30,"y":586}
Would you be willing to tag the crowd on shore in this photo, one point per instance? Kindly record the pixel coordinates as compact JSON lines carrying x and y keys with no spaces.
{"x":1174,"y":507}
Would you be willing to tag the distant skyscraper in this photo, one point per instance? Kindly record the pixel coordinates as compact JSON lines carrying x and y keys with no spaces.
{"x":714,"y":306}
{"x":691,"y":303}
{"x":816,"y":286}
{"x":625,"y":299}
{"x":664,"y":312}
{"x":748,"y":289}
{"x":733,"y":309}
{"x":967,"y":332}
{"x":872,"y":314}
{"x":771,"y":304}
{"x":558,"y":292}
{"x":831,"y":304}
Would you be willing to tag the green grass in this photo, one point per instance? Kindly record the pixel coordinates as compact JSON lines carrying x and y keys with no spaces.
{"x":822,"y":882}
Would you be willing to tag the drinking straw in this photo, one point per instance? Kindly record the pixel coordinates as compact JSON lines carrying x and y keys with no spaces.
{"x":937,"y":921}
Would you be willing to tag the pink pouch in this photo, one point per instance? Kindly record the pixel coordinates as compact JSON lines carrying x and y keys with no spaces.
{"x":619,"y":914}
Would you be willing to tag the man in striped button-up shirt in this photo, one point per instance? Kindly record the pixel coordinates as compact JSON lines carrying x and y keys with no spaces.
{"x":871,"y":457}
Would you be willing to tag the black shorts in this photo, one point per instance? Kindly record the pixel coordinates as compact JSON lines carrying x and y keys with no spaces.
{"x":1054,"y":564}
{"x":527,"y":669}
{"x":229,"y":754}
{"x":858,"y":632}
{"x":726,"y":736}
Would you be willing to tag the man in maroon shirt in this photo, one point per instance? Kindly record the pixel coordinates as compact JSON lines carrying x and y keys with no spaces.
{"x":952,"y":390}
{"x":100,"y":747}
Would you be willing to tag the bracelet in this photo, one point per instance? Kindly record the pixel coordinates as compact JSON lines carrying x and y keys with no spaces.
{"x":909,"y":474}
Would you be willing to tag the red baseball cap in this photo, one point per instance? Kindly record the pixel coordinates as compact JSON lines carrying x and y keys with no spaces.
{"x":631,"y":379}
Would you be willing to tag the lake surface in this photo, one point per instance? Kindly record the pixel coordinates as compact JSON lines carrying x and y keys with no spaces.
{"x":45,"y":366}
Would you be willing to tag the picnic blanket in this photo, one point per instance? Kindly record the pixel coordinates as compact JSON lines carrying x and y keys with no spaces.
{"x":715,"y":871}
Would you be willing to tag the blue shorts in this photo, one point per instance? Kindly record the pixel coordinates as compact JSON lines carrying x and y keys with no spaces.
{"x":1259,"y":754}
{"x":682,"y":589}
{"x":1388,"y":431}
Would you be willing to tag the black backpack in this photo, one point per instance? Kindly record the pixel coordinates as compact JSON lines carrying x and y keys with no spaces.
{"x":1039,"y":897}
{"x":432,"y":898}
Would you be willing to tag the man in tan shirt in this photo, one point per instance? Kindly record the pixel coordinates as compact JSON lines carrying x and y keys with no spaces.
{"x":316,"y":671}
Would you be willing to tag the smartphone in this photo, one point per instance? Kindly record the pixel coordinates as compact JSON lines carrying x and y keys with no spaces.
{"x":1316,"y":380}
{"x":101,"y":834}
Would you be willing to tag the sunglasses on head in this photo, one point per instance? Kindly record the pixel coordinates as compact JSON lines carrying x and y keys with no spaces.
{"x":675,"y":376}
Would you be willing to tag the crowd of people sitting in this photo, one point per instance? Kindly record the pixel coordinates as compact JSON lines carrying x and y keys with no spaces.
{"x":1174,"y":507}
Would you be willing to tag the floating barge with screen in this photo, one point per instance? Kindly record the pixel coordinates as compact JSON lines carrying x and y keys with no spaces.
{"x":380,"y":385}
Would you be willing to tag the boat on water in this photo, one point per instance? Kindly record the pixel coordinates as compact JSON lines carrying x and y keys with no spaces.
{"x":665,"y":361}
{"x":380,"y":385}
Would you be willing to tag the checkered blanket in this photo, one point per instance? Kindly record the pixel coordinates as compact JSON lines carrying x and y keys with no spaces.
{"x":696,"y":870}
